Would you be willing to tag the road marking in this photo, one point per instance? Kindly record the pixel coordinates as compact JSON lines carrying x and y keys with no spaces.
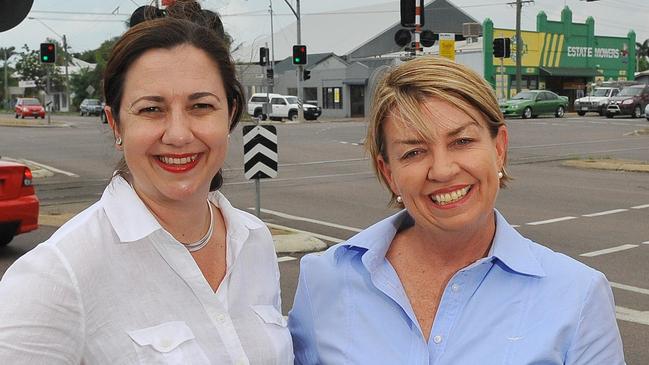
{"x":608,"y":250}
{"x":630,"y":288}
{"x":550,"y":221}
{"x":317,"y":235}
{"x":632,"y":315}
{"x":605,"y":213}
{"x":640,"y":206}
{"x":306,"y":163}
{"x":52,"y":168}
{"x":300,"y":178}
{"x":515,"y":226}
{"x":598,"y":122}
{"x":285,"y":258}
{"x":568,"y":144}
{"x":303,"y":219}
{"x":624,"y":124}
{"x":645,"y":243}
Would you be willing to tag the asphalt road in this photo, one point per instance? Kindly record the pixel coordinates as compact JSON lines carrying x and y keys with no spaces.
{"x":325,"y":186}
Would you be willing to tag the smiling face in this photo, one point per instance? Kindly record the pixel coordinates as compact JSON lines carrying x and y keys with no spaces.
{"x":174,"y":123}
{"x":448,"y":179}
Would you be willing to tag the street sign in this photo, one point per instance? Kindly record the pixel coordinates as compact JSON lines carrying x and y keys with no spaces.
{"x":27,"y":83}
{"x":447,"y":45}
{"x":259,"y":151}
{"x":90,"y":90}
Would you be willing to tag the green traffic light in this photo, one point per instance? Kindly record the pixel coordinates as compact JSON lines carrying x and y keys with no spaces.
{"x":45,"y":58}
{"x":297,"y":59}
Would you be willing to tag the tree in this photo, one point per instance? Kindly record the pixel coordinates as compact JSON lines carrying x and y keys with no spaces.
{"x":30,"y":68}
{"x":80,"y":82}
{"x":641,"y":53}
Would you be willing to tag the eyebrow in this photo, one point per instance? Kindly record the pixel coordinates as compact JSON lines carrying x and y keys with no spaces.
{"x":160,"y":99}
{"x":452,"y":133}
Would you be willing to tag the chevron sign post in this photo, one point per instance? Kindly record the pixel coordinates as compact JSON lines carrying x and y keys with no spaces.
{"x":260,"y":151}
{"x":259,"y":155}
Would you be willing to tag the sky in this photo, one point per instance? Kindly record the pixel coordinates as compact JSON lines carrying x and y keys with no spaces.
{"x":87,"y":23}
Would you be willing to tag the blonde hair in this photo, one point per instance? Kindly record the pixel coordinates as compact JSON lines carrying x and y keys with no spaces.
{"x":403,"y":90}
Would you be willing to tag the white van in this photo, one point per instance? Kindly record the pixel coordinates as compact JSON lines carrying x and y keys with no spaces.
{"x":283,"y":106}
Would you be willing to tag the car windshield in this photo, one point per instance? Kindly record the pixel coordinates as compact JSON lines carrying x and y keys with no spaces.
{"x":92,"y":102}
{"x":31,"y":102}
{"x":292,"y":100}
{"x":599,"y":92}
{"x":524,"y":96}
{"x":630,"y":91}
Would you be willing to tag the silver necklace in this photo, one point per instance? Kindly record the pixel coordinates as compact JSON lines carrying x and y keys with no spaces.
{"x":195,"y":246}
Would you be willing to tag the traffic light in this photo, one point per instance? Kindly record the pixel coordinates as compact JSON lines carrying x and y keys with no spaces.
{"x":502,"y":47}
{"x":306,"y":75}
{"x":270,"y":73}
{"x":263,"y":56}
{"x":299,"y":54}
{"x":48,"y":53}
{"x":408,"y":13}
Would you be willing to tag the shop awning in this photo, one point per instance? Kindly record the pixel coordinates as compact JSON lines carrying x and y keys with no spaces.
{"x":566,"y":71}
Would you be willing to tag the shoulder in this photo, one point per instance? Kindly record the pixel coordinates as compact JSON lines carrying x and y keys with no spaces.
{"x":561,"y":266}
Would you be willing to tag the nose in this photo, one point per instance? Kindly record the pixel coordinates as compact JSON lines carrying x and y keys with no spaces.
{"x":178,"y":129}
{"x":442,"y":166}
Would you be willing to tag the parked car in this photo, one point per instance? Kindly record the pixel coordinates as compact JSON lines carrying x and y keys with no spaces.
{"x":29,"y":107}
{"x":530,"y":104}
{"x":632,"y":100}
{"x":646,"y":111}
{"x":597,"y":101}
{"x":18,"y":202}
{"x":283,"y":106}
{"x":90,"y":107}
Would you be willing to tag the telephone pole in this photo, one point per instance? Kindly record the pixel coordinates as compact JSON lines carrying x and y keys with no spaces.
{"x":519,"y":40}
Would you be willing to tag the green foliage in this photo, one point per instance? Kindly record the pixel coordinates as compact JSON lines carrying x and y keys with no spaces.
{"x":30,"y":68}
{"x":80,"y":82}
{"x":641,"y":53}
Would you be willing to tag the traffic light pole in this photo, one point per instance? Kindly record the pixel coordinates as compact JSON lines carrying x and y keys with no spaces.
{"x":300,"y":68}
{"x":67,"y":77}
{"x":48,"y":101}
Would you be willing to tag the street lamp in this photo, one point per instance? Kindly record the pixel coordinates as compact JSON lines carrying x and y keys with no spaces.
{"x":66,"y":59}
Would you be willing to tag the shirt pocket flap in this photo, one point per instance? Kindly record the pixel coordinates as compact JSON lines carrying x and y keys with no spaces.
{"x":269,"y":314}
{"x":164,"y":337}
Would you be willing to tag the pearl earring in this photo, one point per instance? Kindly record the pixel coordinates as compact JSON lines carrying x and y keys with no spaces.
{"x":118,"y":141}
{"x":399,"y":200}
{"x":500,"y":174}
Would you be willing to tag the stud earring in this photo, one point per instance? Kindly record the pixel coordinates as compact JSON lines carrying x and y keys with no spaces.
{"x":399,"y":200}
{"x":500,"y":174}
{"x":118,"y":141}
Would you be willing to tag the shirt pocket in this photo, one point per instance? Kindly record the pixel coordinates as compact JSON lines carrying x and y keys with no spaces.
{"x":276,"y":327}
{"x":169,"y":343}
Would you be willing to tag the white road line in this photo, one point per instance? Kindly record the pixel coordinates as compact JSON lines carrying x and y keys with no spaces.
{"x":303,"y":219}
{"x":641,"y":206}
{"x":551,"y":221}
{"x":285,"y":258}
{"x":605,"y":213}
{"x":317,"y":235}
{"x":369,"y":173}
{"x":52,"y":168}
{"x":598,"y":122}
{"x":515,"y":226}
{"x":634,"y":289}
{"x":645,"y":243}
{"x":632,"y":315}
{"x":306,"y":163}
{"x":609,"y":250}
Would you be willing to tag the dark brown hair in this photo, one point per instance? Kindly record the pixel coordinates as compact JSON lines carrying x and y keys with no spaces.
{"x":166,"y":33}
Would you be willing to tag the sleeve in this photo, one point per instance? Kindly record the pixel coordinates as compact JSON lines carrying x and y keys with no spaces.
{"x":300,"y":321}
{"x":597,"y":338}
{"x":40,"y":315}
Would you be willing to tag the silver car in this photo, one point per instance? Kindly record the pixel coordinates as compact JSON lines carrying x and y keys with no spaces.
{"x":90,"y":107}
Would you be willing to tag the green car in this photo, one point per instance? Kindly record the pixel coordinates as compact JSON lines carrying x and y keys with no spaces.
{"x":529,"y":104}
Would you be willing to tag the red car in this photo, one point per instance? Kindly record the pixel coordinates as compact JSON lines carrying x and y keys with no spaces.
{"x":29,"y":107}
{"x":18,"y":202}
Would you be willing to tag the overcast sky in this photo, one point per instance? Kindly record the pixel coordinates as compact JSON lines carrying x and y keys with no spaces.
{"x":247,"y":20}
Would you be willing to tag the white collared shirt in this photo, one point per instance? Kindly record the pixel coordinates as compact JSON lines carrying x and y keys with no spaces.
{"x":111,"y":286}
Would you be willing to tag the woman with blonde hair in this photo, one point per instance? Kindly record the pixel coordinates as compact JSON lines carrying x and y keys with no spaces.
{"x":447,"y":280}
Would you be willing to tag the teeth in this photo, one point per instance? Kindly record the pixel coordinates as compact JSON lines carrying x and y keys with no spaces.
{"x":177,"y":161}
{"x":443,"y":199}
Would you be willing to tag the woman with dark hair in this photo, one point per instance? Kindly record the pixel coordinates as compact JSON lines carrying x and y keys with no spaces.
{"x":162,"y":269}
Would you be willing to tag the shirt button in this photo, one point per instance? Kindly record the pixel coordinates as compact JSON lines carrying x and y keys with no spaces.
{"x":437,"y":339}
{"x":165,"y":344}
{"x":220,"y":317}
{"x":455,"y":287}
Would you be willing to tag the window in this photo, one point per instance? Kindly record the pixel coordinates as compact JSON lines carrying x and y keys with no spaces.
{"x":291,"y":91}
{"x":277,"y":101}
{"x":550,"y":96}
{"x":332,"y":97}
{"x":258,"y":99}
{"x":311,"y":95}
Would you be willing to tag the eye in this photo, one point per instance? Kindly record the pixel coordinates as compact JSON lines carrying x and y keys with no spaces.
{"x":412,"y":154}
{"x":149,"y":109}
{"x":202,"y":106}
{"x":463,"y":141}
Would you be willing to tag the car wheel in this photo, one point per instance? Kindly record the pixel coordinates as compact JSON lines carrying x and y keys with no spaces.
{"x":527,"y":113}
{"x":602,"y":111}
{"x":609,"y":115}
{"x":264,"y":117}
{"x":560,"y":112}
{"x":292,"y":116}
{"x":7,"y":233}
{"x":637,"y":112}
{"x":16,"y":116}
{"x":257,"y":113}
{"x":581,"y":114}
{"x":81,"y":113}
{"x":22,"y":116}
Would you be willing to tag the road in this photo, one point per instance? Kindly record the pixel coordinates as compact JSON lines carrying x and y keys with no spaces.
{"x":326,"y":186}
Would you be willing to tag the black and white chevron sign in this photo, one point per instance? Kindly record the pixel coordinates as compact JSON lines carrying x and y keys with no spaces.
{"x":260,"y":151}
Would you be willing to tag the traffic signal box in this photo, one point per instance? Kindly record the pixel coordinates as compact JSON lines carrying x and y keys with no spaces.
{"x":299,"y":54}
{"x":263,"y":56}
{"x":48,"y":53}
{"x":502,"y":47}
{"x":306,"y":74}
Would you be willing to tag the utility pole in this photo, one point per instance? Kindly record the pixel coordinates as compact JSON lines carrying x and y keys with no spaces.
{"x":67,"y":77}
{"x":300,"y":68}
{"x":272,"y":48}
{"x":6,"y":80}
{"x":519,"y":41}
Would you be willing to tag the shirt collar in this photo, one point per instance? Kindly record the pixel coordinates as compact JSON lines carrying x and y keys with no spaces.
{"x":508,"y":245}
{"x":133,"y":221}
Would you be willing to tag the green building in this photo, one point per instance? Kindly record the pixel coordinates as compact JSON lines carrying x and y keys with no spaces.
{"x":561,"y":56}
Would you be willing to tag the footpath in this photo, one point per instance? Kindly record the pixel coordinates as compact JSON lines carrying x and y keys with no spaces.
{"x":286,"y":240}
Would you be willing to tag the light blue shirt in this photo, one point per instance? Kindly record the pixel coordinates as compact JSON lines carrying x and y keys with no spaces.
{"x":522,"y":304}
